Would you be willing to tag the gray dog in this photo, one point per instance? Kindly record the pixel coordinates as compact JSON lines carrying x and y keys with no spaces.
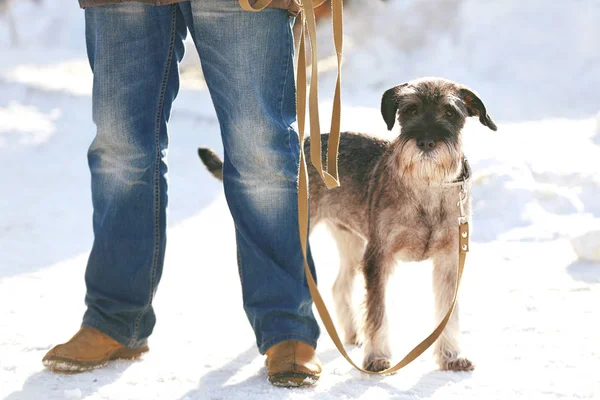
{"x":398,"y":200}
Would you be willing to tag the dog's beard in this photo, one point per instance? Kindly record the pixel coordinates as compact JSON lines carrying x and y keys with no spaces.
{"x":442,"y":164}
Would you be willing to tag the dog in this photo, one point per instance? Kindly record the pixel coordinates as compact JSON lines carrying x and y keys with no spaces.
{"x":5,"y":10}
{"x":398,"y":200}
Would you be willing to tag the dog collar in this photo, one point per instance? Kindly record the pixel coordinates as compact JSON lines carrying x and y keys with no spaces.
{"x":461,"y":182}
{"x":464,"y":177}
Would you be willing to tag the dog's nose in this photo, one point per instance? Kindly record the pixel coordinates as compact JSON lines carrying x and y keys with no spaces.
{"x":426,"y":144}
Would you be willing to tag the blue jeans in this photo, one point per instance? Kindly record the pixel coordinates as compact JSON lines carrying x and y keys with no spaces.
{"x":247,"y":60}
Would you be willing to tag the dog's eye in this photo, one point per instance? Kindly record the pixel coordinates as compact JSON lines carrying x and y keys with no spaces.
{"x":411,"y":110}
{"x":450,"y":113}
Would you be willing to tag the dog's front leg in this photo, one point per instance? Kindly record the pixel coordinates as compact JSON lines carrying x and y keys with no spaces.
{"x":447,"y":349}
{"x":376,"y":268}
{"x":351,"y":249}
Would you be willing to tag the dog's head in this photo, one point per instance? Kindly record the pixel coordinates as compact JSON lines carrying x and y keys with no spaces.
{"x":432,"y":114}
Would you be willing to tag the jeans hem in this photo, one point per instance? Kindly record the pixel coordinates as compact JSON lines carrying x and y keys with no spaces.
{"x":124,"y":340}
{"x":287,"y":336}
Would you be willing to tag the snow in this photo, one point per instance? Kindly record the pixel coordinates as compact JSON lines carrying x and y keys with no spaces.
{"x":73,"y":394}
{"x":529,"y":301}
{"x":587,"y":246}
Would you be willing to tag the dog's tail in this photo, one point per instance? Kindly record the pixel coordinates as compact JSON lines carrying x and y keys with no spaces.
{"x":212,"y":162}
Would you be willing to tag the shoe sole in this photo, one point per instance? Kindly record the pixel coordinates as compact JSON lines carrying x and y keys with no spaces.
{"x":69,"y":366}
{"x":293,"y":379}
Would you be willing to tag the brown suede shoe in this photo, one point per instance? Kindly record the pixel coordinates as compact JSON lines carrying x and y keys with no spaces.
{"x":293,"y":363}
{"x":87,"y":350}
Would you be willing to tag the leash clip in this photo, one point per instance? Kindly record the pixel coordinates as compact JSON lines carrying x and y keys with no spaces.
{"x":462,"y":197}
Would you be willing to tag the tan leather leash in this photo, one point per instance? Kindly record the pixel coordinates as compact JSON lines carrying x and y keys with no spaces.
{"x":308,"y":23}
{"x":330,"y":176}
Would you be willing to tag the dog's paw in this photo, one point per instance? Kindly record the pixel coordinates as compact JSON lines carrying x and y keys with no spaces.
{"x":458,"y":364}
{"x":376,"y":365}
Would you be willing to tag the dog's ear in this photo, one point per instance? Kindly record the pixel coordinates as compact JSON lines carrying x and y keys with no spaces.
{"x":389,"y":105}
{"x":475,"y":107}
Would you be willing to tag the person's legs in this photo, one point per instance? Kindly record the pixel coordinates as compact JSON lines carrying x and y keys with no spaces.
{"x":133,"y":51}
{"x":247,"y":59}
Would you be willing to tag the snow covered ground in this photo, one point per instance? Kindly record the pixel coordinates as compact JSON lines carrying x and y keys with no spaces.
{"x":530,"y":306}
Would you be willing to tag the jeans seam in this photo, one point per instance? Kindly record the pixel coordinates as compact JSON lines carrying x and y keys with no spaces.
{"x":239,"y":259}
{"x":157,"y":203}
{"x":285,"y":76}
